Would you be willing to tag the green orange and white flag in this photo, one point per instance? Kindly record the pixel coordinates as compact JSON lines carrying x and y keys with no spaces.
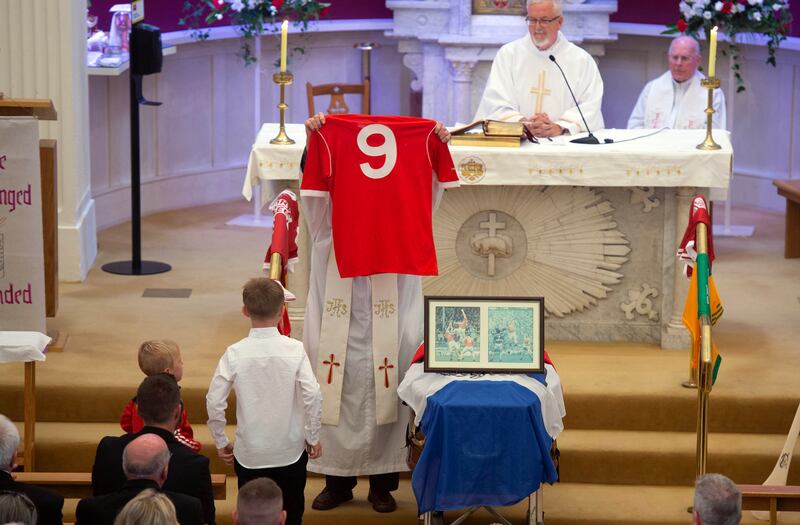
{"x":691,"y":319}
{"x":702,"y":298}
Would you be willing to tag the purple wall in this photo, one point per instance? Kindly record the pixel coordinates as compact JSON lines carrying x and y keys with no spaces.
{"x":165,"y":13}
{"x":666,"y":12}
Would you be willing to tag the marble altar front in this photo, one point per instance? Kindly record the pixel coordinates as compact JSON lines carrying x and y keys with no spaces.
{"x":592,"y":229}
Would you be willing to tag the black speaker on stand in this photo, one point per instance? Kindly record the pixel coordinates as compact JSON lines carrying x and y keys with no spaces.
{"x":146,"y":59}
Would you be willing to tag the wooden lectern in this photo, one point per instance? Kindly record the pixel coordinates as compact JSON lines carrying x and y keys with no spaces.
{"x":42,"y":110}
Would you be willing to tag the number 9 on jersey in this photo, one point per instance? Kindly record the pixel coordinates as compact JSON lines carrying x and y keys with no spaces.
{"x":388,"y":150}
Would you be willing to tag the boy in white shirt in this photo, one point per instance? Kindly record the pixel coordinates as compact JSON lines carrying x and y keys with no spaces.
{"x":279,"y":403}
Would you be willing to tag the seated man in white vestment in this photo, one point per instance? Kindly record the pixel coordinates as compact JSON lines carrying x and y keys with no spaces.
{"x":676,"y":99}
{"x":525,"y":85}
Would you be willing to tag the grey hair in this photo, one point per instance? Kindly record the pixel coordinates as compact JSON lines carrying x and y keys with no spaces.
{"x":9,"y":442}
{"x":717,"y":500}
{"x":558,"y":4}
{"x":16,"y":507}
{"x":148,"y":470}
{"x":695,"y":43}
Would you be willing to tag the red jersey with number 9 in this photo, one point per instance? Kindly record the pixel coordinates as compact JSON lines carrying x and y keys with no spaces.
{"x":378,"y":172}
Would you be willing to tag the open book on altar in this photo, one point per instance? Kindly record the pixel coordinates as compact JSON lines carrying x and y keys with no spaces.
{"x":488,"y":133}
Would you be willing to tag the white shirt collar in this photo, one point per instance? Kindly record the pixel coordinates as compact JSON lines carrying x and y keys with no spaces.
{"x":272,"y":331}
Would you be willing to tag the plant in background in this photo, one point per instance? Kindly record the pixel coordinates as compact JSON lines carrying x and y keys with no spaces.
{"x":251,"y":18}
{"x":770,"y":18}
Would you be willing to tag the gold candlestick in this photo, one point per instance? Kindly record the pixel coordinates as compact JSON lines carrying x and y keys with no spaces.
{"x":283,"y":79}
{"x":710,"y":83}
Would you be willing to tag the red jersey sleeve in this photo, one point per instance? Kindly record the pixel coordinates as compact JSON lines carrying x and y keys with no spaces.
{"x":184,"y":432}
{"x":442,"y":162}
{"x":318,"y":169}
{"x":185,"y":427}
{"x":126,"y":419}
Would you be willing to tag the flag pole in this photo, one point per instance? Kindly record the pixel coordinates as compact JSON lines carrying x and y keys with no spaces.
{"x":275,"y":266}
{"x":704,"y":374}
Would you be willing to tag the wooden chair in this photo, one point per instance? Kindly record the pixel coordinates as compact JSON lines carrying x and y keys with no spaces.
{"x":337,"y":105}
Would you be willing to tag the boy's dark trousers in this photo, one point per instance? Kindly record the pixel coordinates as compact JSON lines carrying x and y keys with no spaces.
{"x":290,"y":478}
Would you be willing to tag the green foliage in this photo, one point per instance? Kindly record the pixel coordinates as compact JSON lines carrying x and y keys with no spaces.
{"x":251,"y":18}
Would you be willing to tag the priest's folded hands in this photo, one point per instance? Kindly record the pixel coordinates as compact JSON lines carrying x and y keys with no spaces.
{"x":540,"y":125}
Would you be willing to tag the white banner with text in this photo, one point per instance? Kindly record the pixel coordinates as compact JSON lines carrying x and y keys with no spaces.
{"x":22,"y":300}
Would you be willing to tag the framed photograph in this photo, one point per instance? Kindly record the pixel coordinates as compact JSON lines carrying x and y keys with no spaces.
{"x":484,"y":334}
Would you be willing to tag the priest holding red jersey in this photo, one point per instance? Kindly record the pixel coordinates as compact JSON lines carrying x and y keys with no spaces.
{"x":369,"y":188}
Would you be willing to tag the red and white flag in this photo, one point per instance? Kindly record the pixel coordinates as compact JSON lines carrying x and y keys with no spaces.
{"x":698,"y":212}
{"x":286,"y":218}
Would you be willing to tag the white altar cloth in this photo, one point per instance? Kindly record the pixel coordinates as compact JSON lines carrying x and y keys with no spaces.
{"x":270,"y":162}
{"x":667,"y":158}
{"x":18,"y":347}
{"x":417,"y":385}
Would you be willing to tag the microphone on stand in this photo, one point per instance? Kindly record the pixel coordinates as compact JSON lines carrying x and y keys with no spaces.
{"x":590,"y":139}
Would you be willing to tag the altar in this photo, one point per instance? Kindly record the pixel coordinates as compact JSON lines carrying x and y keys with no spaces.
{"x":592,"y":228}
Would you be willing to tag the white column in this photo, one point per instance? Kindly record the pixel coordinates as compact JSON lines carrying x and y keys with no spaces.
{"x":43,"y":55}
{"x":462,"y":90}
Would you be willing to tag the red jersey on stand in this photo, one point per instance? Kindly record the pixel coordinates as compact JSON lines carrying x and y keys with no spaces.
{"x":378,"y":172}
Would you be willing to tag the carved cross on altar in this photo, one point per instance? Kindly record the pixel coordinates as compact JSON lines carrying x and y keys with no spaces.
{"x":540,"y":92}
{"x":332,"y":363}
{"x":385,"y":367}
{"x":492,"y":225}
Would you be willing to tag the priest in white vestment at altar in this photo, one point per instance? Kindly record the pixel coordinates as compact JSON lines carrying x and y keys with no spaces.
{"x":525,"y":85}
{"x":676,"y":99}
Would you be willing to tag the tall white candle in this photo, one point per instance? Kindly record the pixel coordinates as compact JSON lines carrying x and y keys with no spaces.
{"x":712,"y":53}
{"x":284,"y":36}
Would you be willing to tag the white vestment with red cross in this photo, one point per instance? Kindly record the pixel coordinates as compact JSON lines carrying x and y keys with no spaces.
{"x":361,"y":331}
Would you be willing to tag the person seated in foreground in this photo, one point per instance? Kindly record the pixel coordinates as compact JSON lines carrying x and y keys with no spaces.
{"x":159,"y":406}
{"x":717,"y":501}
{"x":145,"y":462}
{"x":17,"y":508}
{"x":260,"y":502}
{"x":148,"y":508}
{"x":48,"y":504}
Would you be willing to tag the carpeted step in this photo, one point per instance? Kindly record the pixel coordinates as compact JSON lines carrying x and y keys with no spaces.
{"x":669,"y":408}
{"x":677,"y":411}
{"x":587,"y":456}
{"x":665,"y":458}
{"x":93,"y":403}
{"x":70,"y":447}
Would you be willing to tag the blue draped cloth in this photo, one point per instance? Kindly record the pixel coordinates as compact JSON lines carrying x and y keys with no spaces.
{"x":485,"y":444}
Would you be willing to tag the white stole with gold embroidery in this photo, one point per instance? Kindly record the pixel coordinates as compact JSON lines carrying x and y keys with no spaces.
{"x":332,"y":354}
